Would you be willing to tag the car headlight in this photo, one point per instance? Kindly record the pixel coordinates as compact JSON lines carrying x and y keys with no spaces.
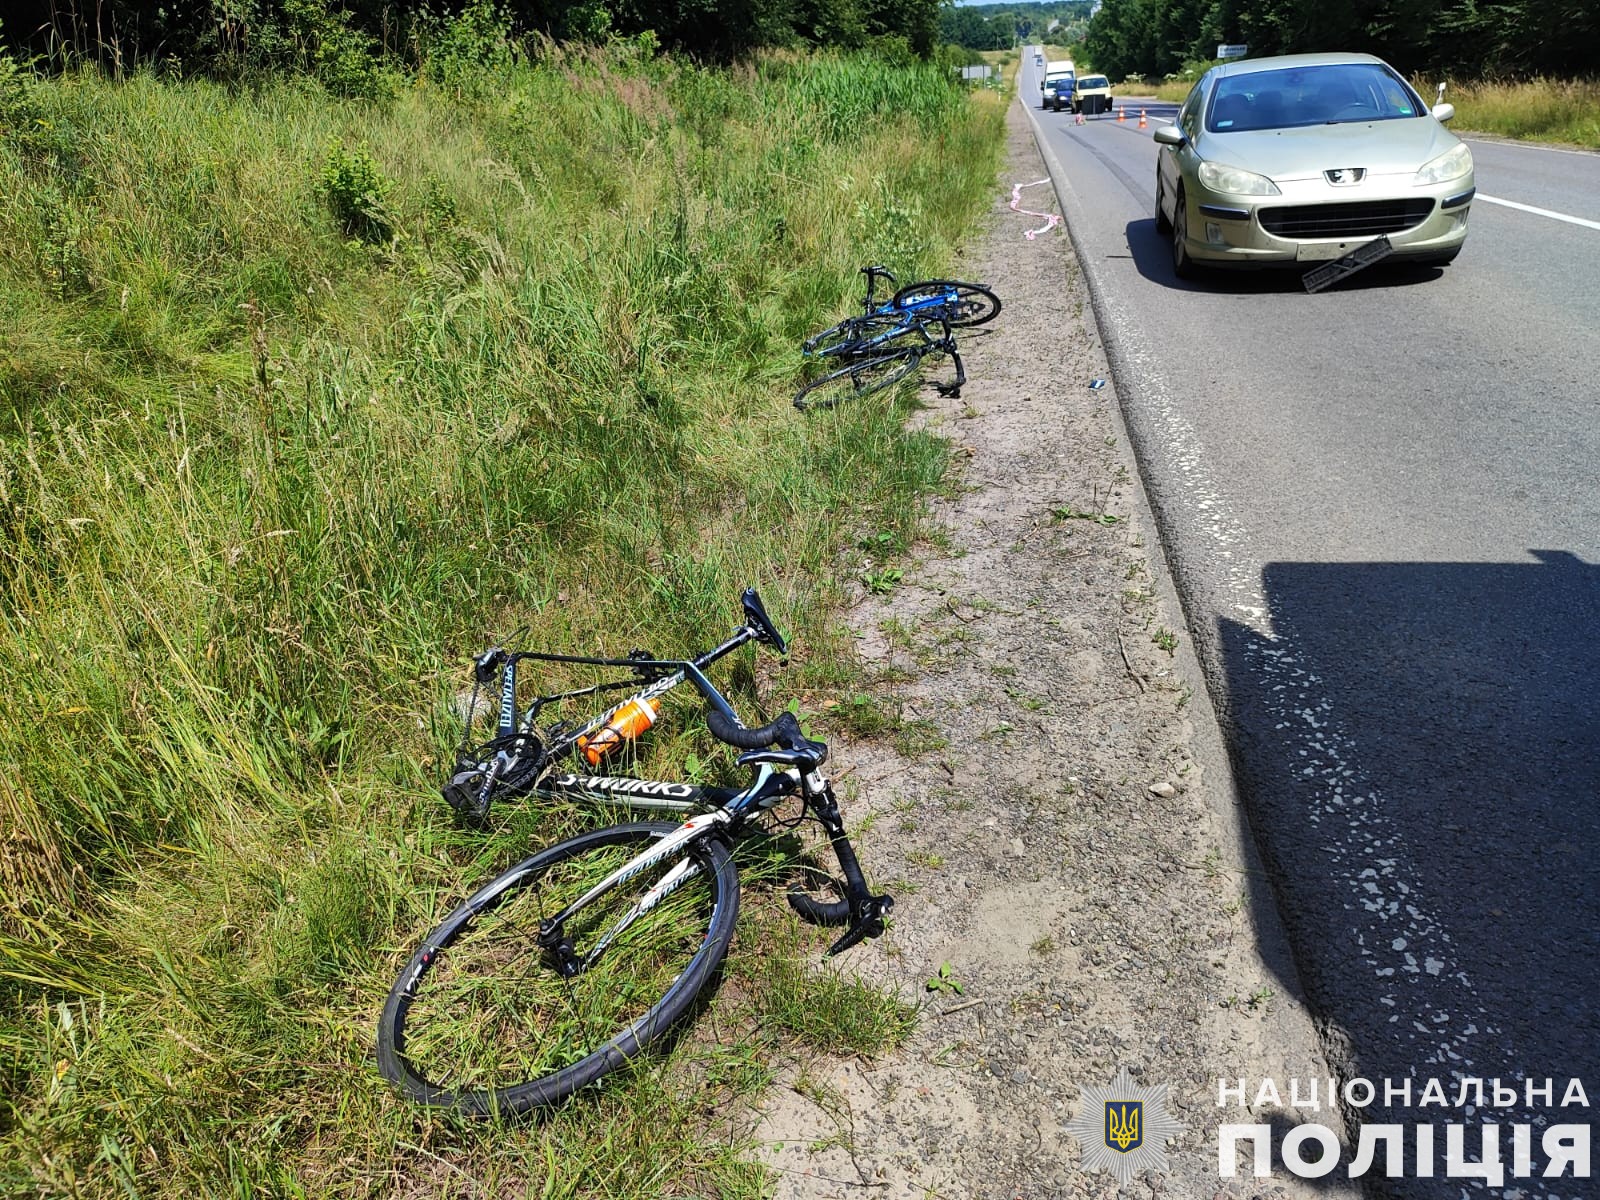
{"x":1452,"y":164}
{"x":1235,"y":182}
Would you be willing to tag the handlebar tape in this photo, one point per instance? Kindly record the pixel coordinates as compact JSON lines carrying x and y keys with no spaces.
{"x":785,"y":731}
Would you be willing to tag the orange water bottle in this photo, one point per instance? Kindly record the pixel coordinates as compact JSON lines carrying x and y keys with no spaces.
{"x":629,"y":721}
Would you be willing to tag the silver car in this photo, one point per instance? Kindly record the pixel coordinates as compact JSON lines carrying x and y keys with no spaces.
{"x":1305,"y":158}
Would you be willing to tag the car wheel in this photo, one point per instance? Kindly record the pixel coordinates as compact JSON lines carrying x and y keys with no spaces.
{"x":1182,"y":265}
{"x":1163,"y":226}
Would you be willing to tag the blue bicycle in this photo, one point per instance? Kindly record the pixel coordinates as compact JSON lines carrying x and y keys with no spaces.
{"x":932,"y":302}
{"x":880,"y":361}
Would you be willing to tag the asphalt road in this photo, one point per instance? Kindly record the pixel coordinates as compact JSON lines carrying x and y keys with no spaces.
{"x":1382,"y":505}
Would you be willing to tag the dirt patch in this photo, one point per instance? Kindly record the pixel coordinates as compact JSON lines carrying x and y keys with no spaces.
{"x":1069,"y":854}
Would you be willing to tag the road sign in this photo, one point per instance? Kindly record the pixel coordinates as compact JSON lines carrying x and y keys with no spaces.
{"x":1226,"y":51}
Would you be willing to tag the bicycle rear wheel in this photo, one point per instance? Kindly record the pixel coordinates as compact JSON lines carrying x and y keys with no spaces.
{"x":482,"y":1021}
{"x":965,"y":304}
{"x":859,"y":378}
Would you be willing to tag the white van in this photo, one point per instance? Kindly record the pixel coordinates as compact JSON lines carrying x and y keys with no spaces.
{"x":1055,"y":89}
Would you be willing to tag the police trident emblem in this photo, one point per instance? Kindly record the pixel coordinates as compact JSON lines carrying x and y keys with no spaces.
{"x":1124,"y":1128}
{"x":1122,"y":1124}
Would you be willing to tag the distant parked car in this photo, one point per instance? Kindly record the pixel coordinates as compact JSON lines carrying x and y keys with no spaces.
{"x":1306,"y":158}
{"x":1057,"y":91}
{"x":1092,"y":95}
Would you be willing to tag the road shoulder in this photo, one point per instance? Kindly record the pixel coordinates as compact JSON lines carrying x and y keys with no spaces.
{"x":1071,"y":854}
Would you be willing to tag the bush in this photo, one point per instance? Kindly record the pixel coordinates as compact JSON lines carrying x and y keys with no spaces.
{"x":357,"y":192}
{"x":321,"y":42}
{"x":469,"y":51}
{"x":19,"y":108}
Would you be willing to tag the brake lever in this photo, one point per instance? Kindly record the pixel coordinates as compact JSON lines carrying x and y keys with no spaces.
{"x":868,"y":923}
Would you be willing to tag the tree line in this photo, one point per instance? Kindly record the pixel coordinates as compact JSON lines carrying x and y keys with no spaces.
{"x":1001,"y":26}
{"x":331,"y":38}
{"x":1508,"y":39}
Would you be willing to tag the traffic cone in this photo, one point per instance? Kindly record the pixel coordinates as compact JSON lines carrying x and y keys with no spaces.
{"x":1122,"y":114}
{"x":1142,"y":122}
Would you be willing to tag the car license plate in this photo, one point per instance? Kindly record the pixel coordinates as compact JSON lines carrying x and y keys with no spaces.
{"x":1358,"y":259}
{"x":1323,"y":252}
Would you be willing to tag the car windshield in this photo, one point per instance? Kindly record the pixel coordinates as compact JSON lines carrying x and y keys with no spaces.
{"x":1093,"y":81}
{"x":1320,"y":95}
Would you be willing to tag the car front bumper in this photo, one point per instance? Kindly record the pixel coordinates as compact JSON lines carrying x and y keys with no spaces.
{"x":1313,"y":221}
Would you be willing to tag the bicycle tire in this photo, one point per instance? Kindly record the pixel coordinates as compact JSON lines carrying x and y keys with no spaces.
{"x":859,"y":378}
{"x":974,"y":304}
{"x":481,"y":1022}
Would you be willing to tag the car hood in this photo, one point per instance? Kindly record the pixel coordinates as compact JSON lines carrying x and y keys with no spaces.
{"x":1382,"y":147}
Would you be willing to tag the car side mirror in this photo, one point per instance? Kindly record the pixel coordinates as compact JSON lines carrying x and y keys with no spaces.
{"x":1443,"y":112}
{"x":1169,"y":135}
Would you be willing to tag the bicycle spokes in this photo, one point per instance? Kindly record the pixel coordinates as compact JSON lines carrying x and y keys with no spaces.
{"x":519,"y":996}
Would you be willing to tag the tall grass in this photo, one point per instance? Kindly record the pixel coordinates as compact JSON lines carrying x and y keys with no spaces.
{"x":1565,"y":111}
{"x":298,"y":397}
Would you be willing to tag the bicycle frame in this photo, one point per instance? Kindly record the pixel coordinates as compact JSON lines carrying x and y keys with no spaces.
{"x":940,"y":299}
{"x":908,"y":322}
{"x":517,"y":733}
{"x":729,"y":811}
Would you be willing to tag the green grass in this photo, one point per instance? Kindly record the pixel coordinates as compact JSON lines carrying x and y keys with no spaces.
{"x":1542,"y":110}
{"x":299,"y":398}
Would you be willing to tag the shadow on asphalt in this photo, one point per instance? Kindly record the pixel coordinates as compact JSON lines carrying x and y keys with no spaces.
{"x":1152,"y":255}
{"x":1418,"y":745}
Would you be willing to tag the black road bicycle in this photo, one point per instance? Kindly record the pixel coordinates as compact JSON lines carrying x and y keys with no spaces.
{"x":883,"y":364}
{"x":575,"y":960}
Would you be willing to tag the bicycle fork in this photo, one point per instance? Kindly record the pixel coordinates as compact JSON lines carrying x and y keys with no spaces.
{"x":867,"y":912}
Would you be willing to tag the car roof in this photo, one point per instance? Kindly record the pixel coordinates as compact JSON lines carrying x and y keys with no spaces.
{"x":1250,"y":66}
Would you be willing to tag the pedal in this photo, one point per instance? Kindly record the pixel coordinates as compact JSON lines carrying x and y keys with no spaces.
{"x":464,"y":793}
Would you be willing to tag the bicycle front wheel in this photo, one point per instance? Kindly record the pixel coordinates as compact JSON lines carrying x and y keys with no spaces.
{"x":858,"y":379}
{"x":485,"y":1020}
{"x":964,"y":304}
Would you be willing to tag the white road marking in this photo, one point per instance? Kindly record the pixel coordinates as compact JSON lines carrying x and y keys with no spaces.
{"x":1539,"y":212}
